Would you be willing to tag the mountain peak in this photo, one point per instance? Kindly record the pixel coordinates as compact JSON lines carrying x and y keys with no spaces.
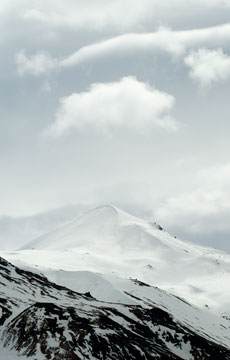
{"x":108,"y":212}
{"x":104,"y":229}
{"x":96,"y":227}
{"x":104,"y":209}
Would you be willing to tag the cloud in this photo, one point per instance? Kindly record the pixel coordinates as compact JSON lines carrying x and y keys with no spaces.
{"x":119,"y":14}
{"x":164,"y":39}
{"x":3,"y":6}
{"x":36,"y":65}
{"x":208,"y":66}
{"x":127,"y":104}
{"x":92,"y":15}
{"x":204,"y":210}
{"x":175,"y":43}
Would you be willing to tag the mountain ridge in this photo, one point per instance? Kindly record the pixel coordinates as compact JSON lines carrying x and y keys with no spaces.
{"x":48,"y":321}
{"x":107,"y":218}
{"x":108,"y":243}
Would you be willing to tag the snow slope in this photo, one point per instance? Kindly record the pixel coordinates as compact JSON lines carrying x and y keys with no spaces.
{"x":105,"y":244}
{"x":45,"y":321}
{"x":119,"y":262}
{"x":107,"y":229}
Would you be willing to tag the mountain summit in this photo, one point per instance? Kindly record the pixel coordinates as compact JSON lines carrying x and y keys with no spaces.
{"x":106,"y":229}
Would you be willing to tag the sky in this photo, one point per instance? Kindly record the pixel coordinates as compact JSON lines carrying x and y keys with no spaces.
{"x":120,"y":102}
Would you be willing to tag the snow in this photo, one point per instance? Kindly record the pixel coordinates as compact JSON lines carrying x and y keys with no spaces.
{"x":86,"y":281}
{"x":107,"y":240}
{"x":106,"y":249}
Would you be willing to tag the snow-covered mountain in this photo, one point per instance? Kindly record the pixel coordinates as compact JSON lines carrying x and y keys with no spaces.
{"x":108,"y":241}
{"x":117,"y":260}
{"x":42,"y":320}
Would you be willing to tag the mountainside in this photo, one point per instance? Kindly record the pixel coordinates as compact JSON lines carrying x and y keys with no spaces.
{"x":91,"y":290}
{"x":107,"y":242}
{"x":107,"y":226}
{"x":42,"y":320}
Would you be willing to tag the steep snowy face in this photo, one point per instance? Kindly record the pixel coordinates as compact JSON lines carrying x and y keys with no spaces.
{"x":88,"y":230}
{"x":107,"y":229}
{"x":47,"y":321}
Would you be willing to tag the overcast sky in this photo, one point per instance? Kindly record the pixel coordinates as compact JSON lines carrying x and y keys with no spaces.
{"x":118,"y":101}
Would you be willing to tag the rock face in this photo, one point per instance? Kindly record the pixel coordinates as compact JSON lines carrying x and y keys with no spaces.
{"x":62,"y":333}
{"x":42,"y":320}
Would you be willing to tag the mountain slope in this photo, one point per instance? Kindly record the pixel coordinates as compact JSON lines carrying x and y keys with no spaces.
{"x":107,"y":241}
{"x":47,"y":321}
{"x":104,"y":227}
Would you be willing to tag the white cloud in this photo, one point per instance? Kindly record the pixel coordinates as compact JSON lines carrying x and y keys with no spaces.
{"x":208,"y":66}
{"x":203,"y":210}
{"x":119,"y":14}
{"x":87,"y":14}
{"x":164,"y":39}
{"x":35,"y":65}
{"x":127,"y":104}
{"x":175,"y":43}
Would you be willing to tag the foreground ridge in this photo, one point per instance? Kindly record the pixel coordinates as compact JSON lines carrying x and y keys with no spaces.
{"x":43,"y":320}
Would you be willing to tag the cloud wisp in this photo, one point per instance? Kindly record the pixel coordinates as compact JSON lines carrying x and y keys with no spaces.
{"x":101,"y":14}
{"x":175,"y":43}
{"x":126,"y":104}
{"x":35,"y":65}
{"x":86,"y":14}
{"x":208,"y":66}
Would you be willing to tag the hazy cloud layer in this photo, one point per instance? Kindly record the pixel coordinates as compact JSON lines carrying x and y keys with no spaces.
{"x":206,"y":208}
{"x":120,"y":14}
{"x":96,"y":15}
